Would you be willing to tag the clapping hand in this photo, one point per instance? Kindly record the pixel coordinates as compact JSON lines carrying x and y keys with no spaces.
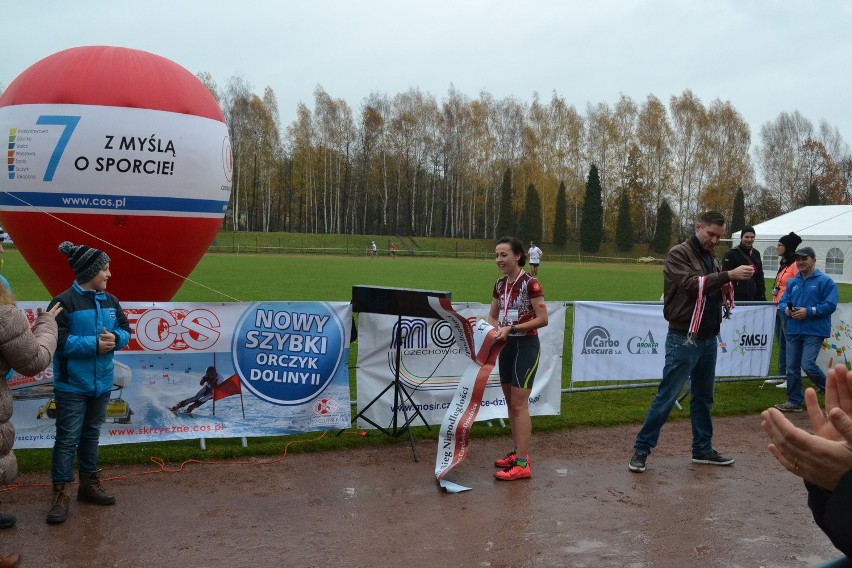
{"x":826,"y":455}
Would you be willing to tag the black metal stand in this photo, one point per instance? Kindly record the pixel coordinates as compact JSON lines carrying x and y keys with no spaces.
{"x":400,"y":394}
{"x":398,"y":302}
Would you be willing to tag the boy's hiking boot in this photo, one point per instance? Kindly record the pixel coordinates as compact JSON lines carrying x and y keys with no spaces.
{"x":91,"y":490}
{"x":59,"y":504}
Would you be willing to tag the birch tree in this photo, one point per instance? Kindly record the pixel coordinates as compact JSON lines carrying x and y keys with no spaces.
{"x":689,"y":127}
{"x":780,"y":158}
{"x":654,"y":138}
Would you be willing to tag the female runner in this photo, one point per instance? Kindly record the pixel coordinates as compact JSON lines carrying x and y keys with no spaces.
{"x":517,"y":311}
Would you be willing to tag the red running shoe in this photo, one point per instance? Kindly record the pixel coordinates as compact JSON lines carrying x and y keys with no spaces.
{"x":507,"y":461}
{"x":514,"y":472}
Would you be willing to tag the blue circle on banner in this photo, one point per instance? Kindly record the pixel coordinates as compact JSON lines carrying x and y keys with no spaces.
{"x":287,"y":353}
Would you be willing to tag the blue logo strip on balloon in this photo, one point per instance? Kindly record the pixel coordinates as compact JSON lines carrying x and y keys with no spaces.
{"x":111,"y":202}
{"x":287,"y":353}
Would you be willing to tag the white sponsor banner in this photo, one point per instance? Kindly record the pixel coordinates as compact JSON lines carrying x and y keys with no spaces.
{"x":622,"y":342}
{"x":136,"y":161}
{"x":432,"y":364}
{"x":837,"y":348}
{"x":283,"y":366}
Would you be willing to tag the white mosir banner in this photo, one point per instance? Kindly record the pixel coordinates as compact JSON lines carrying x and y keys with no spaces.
{"x":622,"y":342}
{"x":432,"y":364}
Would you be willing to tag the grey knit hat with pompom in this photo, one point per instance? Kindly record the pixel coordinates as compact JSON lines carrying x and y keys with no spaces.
{"x":85,"y":261}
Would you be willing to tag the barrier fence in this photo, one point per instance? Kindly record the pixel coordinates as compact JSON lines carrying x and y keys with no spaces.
{"x":282,"y":366}
{"x":727,"y":339}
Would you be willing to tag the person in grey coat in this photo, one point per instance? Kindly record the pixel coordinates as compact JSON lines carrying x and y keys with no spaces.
{"x":27,"y":351}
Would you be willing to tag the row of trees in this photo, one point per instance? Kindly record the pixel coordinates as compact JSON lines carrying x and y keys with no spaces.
{"x":410,"y":164}
{"x":483,"y":167}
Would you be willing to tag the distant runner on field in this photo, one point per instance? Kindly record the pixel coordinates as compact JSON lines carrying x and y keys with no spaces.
{"x":535,"y":255}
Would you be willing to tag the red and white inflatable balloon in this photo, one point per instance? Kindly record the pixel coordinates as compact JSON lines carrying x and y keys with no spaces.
{"x":118,"y":144}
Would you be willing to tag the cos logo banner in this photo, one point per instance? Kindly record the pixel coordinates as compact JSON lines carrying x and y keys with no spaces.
{"x":288,"y":353}
{"x":177,"y":330}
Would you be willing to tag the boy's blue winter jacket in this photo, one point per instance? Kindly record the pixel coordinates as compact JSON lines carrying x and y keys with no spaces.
{"x":78,"y":367}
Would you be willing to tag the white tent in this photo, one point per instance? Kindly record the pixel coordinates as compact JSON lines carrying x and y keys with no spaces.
{"x":825,"y":228}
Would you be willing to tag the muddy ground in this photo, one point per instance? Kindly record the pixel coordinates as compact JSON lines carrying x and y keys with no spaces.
{"x":378,"y":507}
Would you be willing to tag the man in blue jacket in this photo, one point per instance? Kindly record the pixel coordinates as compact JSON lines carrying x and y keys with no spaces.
{"x":808,"y":302}
{"x":92,"y":326}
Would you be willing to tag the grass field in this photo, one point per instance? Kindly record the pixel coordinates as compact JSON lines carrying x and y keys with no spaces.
{"x":359,"y":245}
{"x":294,"y":277}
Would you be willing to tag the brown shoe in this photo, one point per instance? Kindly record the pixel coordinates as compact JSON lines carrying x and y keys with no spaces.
{"x":10,"y":561}
{"x":59,"y":504}
{"x":91,"y":490}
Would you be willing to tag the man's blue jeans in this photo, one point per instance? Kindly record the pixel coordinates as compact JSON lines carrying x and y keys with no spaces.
{"x":696,"y":363}
{"x":802,"y":352}
{"x":781,"y":340}
{"x":78,"y":427}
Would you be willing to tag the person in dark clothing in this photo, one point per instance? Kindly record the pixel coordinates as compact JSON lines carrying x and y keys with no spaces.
{"x":787,"y":269}
{"x":695,"y":292}
{"x":821,"y":459}
{"x":208,"y":382}
{"x":753,"y":289}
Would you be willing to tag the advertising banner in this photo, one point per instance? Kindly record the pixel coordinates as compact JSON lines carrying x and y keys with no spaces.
{"x":837,"y":349}
{"x":280,"y":368}
{"x":432,"y":364}
{"x":624,"y":342}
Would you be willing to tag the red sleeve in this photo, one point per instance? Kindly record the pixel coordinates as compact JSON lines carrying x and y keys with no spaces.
{"x":534,"y":288}
{"x":495,"y":294}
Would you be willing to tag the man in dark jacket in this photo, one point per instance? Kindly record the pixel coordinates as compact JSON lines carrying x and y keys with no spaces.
{"x":753,"y":289}
{"x":693,"y":286}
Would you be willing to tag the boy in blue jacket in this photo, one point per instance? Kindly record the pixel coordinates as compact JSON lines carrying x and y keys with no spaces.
{"x":92,"y":326}
{"x":808,"y":302}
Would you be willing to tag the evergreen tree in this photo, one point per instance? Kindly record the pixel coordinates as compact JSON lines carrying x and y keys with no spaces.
{"x":560,"y":221}
{"x":738,"y":216}
{"x":591,"y":223}
{"x":531,"y":230}
{"x":663,"y":235}
{"x":506,"y":220}
{"x":624,"y":226}
{"x":813,"y":195}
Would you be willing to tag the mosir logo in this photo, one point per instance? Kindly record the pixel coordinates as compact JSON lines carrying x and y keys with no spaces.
{"x":598,"y":342}
{"x":420,"y":338}
{"x":176,"y":330}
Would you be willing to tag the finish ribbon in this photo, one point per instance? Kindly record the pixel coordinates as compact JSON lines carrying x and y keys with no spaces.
{"x":701,"y":302}
{"x":479,"y":343}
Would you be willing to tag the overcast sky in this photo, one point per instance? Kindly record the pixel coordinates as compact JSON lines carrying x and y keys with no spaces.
{"x":764,"y":56}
